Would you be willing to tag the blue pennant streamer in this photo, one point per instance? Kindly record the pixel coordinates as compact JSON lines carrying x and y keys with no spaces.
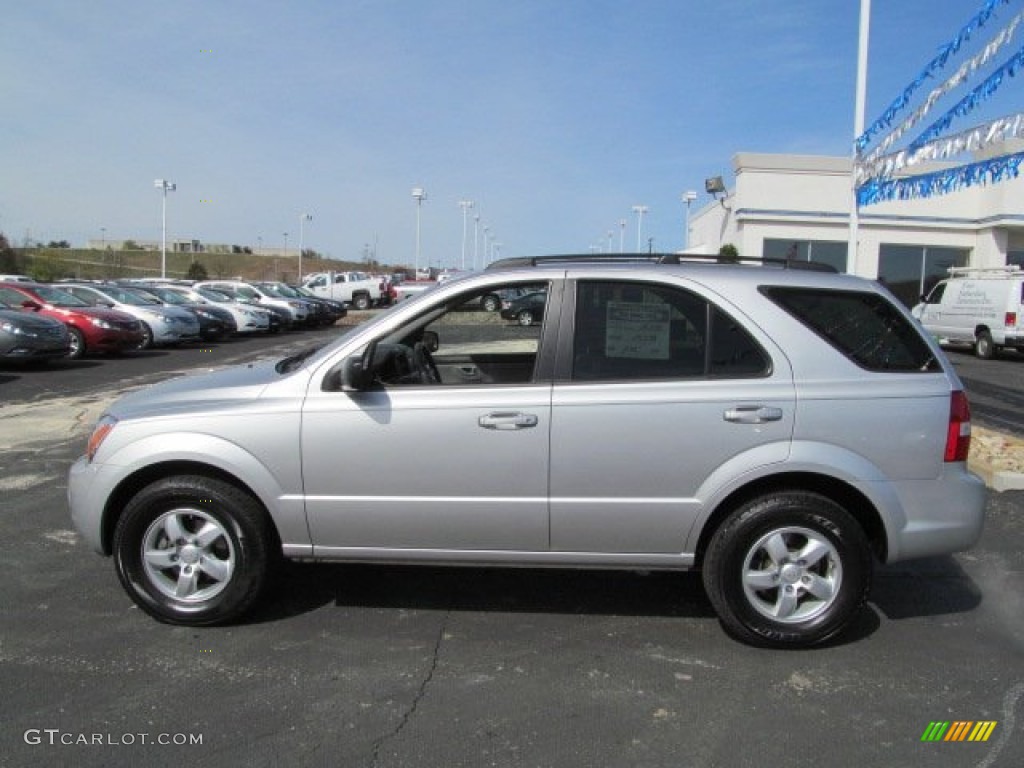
{"x":980,"y":93}
{"x":941,"y":182}
{"x":937,"y":63}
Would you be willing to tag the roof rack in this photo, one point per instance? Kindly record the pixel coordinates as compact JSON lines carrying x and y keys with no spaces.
{"x":657,"y":258}
{"x":1009,"y":269}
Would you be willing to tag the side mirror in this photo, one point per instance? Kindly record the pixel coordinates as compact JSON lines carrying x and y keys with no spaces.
{"x":431,"y":341}
{"x":357,"y":371}
{"x":35,"y":306}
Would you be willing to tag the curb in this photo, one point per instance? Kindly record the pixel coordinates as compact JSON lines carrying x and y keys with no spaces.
{"x":995,"y":457}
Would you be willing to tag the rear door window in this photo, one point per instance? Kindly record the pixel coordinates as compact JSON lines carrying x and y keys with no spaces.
{"x":640,"y":331}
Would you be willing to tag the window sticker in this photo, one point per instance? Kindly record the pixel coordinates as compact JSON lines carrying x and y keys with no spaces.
{"x":637,"y":331}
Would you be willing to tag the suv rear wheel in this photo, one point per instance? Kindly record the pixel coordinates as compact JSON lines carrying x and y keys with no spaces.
{"x":788,"y":569}
{"x":192,"y":550}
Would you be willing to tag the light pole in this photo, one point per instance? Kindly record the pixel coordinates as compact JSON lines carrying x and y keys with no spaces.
{"x":166,"y":186}
{"x":688,"y":197}
{"x":622,"y":234}
{"x":259,"y":245}
{"x":639,"y":210}
{"x":487,"y":248}
{"x":465,"y":205}
{"x":286,"y":245}
{"x":476,"y":238}
{"x":303,"y":218}
{"x":419,"y":194}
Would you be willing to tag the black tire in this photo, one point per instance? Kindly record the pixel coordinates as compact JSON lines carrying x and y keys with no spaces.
{"x":77,"y":348}
{"x":984,"y":347}
{"x":210,"y":550}
{"x":491,"y":302}
{"x":765,"y":594}
{"x":147,"y":337}
{"x":525,"y":318}
{"x":361,"y":301}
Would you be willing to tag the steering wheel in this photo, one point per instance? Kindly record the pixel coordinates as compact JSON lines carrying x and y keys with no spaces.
{"x":425,"y":365}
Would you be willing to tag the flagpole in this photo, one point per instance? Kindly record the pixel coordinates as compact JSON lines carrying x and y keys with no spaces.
{"x":858,"y":128}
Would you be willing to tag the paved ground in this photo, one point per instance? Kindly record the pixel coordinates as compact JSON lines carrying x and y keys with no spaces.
{"x":386,"y":666}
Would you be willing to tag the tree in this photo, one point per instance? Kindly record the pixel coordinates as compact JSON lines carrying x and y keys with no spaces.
{"x":196,"y":271}
{"x":130,"y":245}
{"x":8,"y":258}
{"x":728,"y":254}
{"x":58,"y":244}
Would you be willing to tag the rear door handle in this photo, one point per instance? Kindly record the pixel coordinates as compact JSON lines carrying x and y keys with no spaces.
{"x":753,"y":414}
{"x":505,"y":420}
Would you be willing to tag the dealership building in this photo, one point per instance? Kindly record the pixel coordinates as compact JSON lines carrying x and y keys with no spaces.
{"x":798,"y":206}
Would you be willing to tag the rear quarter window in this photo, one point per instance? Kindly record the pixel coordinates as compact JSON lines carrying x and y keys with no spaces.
{"x":862,"y":325}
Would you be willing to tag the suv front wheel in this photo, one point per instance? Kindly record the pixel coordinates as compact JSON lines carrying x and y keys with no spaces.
{"x":193,"y":550}
{"x":788,"y":569}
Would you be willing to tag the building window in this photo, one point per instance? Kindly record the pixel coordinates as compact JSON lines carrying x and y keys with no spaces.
{"x":1015,"y":257}
{"x":911,"y":271}
{"x":831,"y":252}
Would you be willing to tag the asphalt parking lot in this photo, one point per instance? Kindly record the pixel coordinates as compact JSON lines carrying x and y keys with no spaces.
{"x":400,"y":666}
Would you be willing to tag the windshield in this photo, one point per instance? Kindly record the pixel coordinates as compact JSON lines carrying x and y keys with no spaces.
{"x":211,"y":295}
{"x":59,"y":298}
{"x":126,"y":296}
{"x":247,"y":293}
{"x":168,"y":297}
{"x":271,"y":289}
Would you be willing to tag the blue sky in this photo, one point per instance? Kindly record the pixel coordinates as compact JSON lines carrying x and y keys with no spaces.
{"x":554,"y":116}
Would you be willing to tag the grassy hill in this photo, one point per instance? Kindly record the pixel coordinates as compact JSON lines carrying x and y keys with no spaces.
{"x":56,"y":263}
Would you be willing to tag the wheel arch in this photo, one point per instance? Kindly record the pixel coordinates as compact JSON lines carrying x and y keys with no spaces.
{"x":135,"y":482}
{"x":852,"y":500}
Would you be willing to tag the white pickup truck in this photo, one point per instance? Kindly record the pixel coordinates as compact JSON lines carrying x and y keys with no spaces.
{"x":359,"y":289}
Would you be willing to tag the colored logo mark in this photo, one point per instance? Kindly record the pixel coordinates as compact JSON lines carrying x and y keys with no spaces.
{"x":959,"y":730}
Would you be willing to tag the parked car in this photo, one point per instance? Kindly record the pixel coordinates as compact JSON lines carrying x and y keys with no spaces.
{"x":779,"y":429}
{"x":25,"y":336}
{"x":294,"y":310}
{"x":335,"y":310}
{"x":324,"y":311}
{"x":92,"y":329}
{"x":983,"y":308}
{"x":316,"y":313}
{"x":161,"y":325}
{"x":214,"y":322}
{"x":526,"y":309}
{"x":248,"y":318}
{"x":357,"y":289}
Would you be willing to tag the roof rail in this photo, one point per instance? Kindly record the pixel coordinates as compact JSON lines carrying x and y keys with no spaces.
{"x":1009,"y":269}
{"x":656,"y":258}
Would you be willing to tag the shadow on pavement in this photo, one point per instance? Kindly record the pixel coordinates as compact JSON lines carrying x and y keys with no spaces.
{"x":933,"y":586}
{"x":299,"y":588}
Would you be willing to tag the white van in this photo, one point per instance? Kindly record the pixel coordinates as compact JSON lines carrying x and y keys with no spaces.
{"x":981,"y":307}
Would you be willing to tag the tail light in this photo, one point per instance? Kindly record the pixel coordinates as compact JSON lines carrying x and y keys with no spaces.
{"x":958,"y":434}
{"x":1011,"y":319}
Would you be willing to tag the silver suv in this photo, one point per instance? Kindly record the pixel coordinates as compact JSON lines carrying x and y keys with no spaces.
{"x":777,"y":428}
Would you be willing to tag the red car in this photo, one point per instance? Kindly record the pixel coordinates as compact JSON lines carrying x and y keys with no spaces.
{"x":92,"y":329}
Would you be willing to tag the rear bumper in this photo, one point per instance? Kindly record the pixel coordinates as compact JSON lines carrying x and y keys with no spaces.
{"x":939,"y":516}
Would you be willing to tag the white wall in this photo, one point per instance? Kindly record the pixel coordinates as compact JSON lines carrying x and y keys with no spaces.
{"x":810,"y":197}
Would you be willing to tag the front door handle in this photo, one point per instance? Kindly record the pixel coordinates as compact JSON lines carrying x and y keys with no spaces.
{"x":506,"y":420}
{"x":753,"y":414}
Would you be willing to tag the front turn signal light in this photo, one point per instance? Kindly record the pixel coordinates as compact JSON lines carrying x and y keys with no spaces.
{"x":99,"y":434}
